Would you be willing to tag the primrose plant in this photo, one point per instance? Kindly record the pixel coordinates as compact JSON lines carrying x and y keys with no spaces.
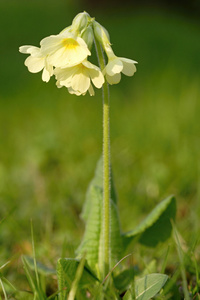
{"x":94,"y":273}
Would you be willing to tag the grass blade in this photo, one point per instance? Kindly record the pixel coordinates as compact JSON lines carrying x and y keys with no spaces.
{"x":34,"y":255}
{"x":181,"y":259}
{"x":75,"y":283}
{"x":3,"y":289}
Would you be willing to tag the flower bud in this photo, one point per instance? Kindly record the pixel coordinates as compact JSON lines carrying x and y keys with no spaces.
{"x":80,"y":22}
{"x":88,"y":36}
{"x":101,"y":34}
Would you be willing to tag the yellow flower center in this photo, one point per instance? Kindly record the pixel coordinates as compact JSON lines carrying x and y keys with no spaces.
{"x":70,"y":43}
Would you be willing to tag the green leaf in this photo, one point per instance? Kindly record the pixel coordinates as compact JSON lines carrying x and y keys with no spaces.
{"x":66,"y":273}
{"x":93,"y":234}
{"x":148,"y":286}
{"x":61,"y":281}
{"x":96,"y":181}
{"x":156,"y":227}
{"x":92,"y":243}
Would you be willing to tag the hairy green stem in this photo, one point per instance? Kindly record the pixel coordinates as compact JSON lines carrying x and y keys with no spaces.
{"x":106,"y":167}
{"x":106,"y":181}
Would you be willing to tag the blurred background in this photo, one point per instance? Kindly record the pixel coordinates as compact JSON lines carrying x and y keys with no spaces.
{"x":50,"y":141}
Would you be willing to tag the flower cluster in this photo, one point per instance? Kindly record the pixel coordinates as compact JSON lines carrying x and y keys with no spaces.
{"x":65,"y":55}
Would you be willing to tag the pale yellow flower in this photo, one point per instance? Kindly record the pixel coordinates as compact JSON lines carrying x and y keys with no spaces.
{"x":65,"y":56}
{"x":37,"y":62}
{"x":79,"y":78}
{"x":90,"y":90}
{"x":64,"y":49}
{"x":116,"y":65}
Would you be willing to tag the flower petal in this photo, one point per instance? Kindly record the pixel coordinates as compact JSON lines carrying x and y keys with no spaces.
{"x":64,"y":74}
{"x":71,"y":91}
{"x":91,"y":90}
{"x":95,"y":73}
{"x":48,"y":67}
{"x":114,"y":66}
{"x":129,"y":67}
{"x":34,"y":51}
{"x":113,"y":79}
{"x":89,"y":65}
{"x":64,"y":49}
{"x":25,"y":49}
{"x":58,"y":58}
{"x":50,"y":44}
{"x":97,"y":78}
{"x":45,"y":75}
{"x":80,"y":82}
{"x":58,"y":85}
{"x":34,"y":64}
{"x":66,"y":83}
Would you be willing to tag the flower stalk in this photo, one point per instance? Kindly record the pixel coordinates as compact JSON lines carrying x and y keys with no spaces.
{"x":106,"y":166}
{"x":106,"y":179}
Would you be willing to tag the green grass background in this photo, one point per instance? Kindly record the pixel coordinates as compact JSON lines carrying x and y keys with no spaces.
{"x":50,"y":141}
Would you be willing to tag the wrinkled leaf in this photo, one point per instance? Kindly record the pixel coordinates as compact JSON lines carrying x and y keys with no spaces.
{"x":156,"y":227}
{"x":66,"y":272}
{"x":96,"y":181}
{"x":92,"y":243}
{"x":150,"y":285}
{"x":70,"y":265}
